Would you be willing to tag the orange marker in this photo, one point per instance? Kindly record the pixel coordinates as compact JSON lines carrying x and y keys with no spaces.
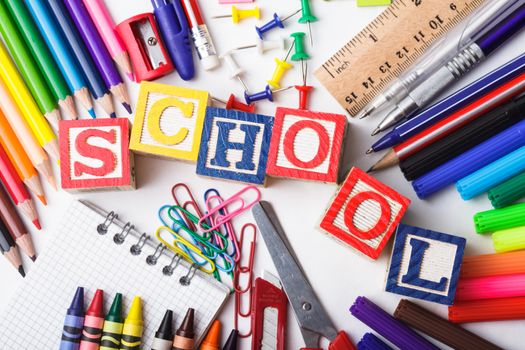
{"x":213,"y":339}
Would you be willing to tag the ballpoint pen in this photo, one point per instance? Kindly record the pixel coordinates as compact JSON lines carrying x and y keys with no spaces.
{"x":454,"y":69}
{"x":444,"y":49}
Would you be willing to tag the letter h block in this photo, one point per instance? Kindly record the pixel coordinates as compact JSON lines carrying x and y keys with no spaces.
{"x":306,"y":145}
{"x":94,"y":155}
{"x":364,"y":213}
{"x":235,"y":145}
{"x":425,"y":264}
{"x":168,"y":121}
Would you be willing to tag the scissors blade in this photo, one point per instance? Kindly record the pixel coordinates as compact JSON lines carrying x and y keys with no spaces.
{"x":309,"y":312}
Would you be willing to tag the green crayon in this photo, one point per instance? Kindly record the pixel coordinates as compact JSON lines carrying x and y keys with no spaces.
{"x":113,"y":323}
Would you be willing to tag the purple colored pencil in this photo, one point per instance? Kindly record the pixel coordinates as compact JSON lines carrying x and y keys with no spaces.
{"x":383,"y":323}
{"x":98,"y":50}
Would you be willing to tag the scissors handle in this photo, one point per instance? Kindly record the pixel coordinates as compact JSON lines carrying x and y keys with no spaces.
{"x":341,"y":342}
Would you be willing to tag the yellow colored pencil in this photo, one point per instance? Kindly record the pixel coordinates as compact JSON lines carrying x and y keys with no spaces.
{"x":30,"y":111}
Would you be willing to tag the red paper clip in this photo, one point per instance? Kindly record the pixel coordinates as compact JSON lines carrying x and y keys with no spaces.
{"x":186,"y":202}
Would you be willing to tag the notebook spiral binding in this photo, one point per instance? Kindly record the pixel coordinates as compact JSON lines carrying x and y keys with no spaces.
{"x":144,"y":239}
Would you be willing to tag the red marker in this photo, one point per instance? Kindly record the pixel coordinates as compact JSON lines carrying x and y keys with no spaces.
{"x":93,"y":323}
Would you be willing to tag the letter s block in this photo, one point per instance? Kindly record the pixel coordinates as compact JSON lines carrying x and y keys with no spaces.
{"x":306,"y":145}
{"x":94,"y":155}
{"x":364,"y":213}
{"x":168,"y":121}
{"x":425,"y":264}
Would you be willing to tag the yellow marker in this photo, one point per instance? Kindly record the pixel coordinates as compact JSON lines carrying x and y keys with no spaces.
{"x":280,"y":69}
{"x":30,"y":111}
{"x":133,"y":326}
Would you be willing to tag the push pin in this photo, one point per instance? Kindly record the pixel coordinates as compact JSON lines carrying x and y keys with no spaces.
{"x":232,"y":103}
{"x":280,"y":69}
{"x":307,"y":17}
{"x":276,"y":22}
{"x":239,"y":14}
{"x":235,"y":70}
{"x":266,"y":94}
{"x":265,"y":45}
{"x":298,"y":42}
{"x":304,"y":91}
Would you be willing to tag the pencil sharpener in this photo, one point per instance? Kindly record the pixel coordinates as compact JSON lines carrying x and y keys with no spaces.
{"x":146,"y":50}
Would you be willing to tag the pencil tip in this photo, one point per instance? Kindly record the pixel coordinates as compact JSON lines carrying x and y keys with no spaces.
{"x":370,"y":150}
{"x":92,"y":113}
{"x":376,"y":131}
{"x":37,"y":224}
{"x":33,"y":258}
{"x":370,"y":170}
{"x":130,"y":76}
{"x":21,"y":271}
{"x":42,"y":199}
{"x":113,"y":115}
{"x":127,"y":107}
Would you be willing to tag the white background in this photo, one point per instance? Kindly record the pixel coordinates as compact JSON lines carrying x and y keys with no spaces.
{"x":337,"y":273}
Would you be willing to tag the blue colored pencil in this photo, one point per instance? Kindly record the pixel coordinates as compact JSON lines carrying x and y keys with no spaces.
{"x":474,"y":159}
{"x":95,"y":82}
{"x":492,"y":175}
{"x":61,"y":51}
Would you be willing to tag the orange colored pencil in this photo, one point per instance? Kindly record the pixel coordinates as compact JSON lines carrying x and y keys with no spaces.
{"x":19,"y":159}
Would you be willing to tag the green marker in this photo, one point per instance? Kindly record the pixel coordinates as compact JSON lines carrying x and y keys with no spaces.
{"x":113,"y":323}
{"x":42,"y":55}
{"x":307,"y":17}
{"x":508,"y":192}
{"x":500,"y":219}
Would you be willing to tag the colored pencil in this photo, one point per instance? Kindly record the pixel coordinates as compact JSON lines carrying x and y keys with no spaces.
{"x":30,"y":144}
{"x":15,"y":225}
{"x":487,"y":310}
{"x":61,"y":51}
{"x":98,"y":51}
{"x":21,"y":95}
{"x":42,"y":56}
{"x":493,"y":264}
{"x":80,"y":51}
{"x":16,"y":189}
{"x":106,"y":27}
{"x":9,"y":249}
{"x":20,"y":160}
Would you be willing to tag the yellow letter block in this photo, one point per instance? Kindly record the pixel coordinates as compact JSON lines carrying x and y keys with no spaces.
{"x":169,"y":121}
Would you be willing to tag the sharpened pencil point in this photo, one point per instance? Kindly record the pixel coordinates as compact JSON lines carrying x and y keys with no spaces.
{"x":131,"y":76}
{"x":113,"y":115}
{"x":37,"y":224}
{"x":370,"y":150}
{"x":370,"y":170}
{"x":92,"y":113}
{"x":376,"y":131}
{"x":21,"y":271}
{"x":33,"y":258}
{"x":127,"y":107}
{"x":42,"y":199}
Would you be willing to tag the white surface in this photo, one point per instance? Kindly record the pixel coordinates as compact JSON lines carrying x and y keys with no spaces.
{"x":336,"y":273}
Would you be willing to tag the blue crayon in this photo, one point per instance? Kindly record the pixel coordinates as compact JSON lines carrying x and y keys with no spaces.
{"x":371,"y":342}
{"x":74,"y":322}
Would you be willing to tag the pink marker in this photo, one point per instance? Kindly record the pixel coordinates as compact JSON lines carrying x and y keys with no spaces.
{"x":491,"y":287}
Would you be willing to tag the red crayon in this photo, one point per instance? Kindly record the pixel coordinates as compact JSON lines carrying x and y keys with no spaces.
{"x":93,"y":323}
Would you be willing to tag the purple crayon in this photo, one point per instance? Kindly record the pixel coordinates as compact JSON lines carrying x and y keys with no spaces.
{"x":74,"y":322}
{"x":386,"y":325}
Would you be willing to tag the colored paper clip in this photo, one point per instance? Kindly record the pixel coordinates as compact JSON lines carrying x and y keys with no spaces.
{"x":230,"y":214}
{"x":177,"y":250}
{"x":189,"y":200}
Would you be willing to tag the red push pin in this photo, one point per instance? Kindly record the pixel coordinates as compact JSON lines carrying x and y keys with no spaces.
{"x":304,"y":90}
{"x":233,"y":103}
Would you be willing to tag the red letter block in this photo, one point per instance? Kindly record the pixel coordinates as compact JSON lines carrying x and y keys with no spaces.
{"x":306,"y":145}
{"x":94,"y":155}
{"x":364,"y":213}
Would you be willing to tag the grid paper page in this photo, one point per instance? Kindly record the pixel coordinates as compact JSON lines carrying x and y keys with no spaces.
{"x":78,"y":256}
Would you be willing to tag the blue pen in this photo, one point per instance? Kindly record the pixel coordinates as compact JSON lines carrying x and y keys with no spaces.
{"x":61,"y":51}
{"x":470,"y":161}
{"x":176,"y":35}
{"x":451,"y":104}
{"x":492,"y":175}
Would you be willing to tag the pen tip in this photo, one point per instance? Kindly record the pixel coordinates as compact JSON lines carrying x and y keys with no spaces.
{"x":376,"y":131}
{"x":127,"y":107}
{"x":21,"y":271}
{"x":370,"y":150}
{"x":92,"y":113}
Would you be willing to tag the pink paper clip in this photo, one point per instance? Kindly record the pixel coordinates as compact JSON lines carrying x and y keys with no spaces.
{"x":216,"y":219}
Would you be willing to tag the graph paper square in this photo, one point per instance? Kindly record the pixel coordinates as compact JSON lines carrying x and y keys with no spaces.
{"x":77,"y":255}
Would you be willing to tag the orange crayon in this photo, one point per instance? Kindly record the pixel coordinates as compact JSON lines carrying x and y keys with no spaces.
{"x":213,"y":338}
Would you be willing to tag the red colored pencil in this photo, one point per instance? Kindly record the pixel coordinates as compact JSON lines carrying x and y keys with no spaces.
{"x":16,"y":189}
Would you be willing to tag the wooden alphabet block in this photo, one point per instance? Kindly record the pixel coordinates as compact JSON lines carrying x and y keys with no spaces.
{"x":235,"y":145}
{"x":94,"y":155}
{"x":168,"y":121}
{"x":425,"y":264}
{"x":306,"y":145}
{"x":364,"y":213}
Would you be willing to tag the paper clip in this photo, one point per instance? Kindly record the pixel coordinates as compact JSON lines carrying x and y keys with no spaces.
{"x":222,"y":219}
{"x":190,"y":200}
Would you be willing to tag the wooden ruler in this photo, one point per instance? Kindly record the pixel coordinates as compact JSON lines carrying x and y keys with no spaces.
{"x":363,"y":67}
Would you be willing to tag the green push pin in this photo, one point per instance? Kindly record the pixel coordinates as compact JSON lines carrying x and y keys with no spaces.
{"x":299,"y":54}
{"x":307,"y":17}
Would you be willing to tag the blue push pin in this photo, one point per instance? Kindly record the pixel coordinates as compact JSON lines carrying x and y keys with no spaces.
{"x":266,"y":94}
{"x":274,"y":23}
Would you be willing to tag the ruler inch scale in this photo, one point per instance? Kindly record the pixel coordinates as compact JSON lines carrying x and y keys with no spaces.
{"x":387,"y":47}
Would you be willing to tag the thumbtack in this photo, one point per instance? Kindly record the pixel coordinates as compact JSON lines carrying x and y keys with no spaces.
{"x":280,"y":68}
{"x":276,"y":22}
{"x":235,"y":70}
{"x":240,"y":14}
{"x":265,"y":45}
{"x":233,"y":103}
{"x":266,"y":94}
{"x":304,"y":91}
{"x":299,"y":54}
{"x":307,"y":17}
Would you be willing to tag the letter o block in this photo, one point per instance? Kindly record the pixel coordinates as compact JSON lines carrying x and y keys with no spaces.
{"x":364,"y":213}
{"x":306,"y":145}
{"x":168,"y":121}
{"x":94,"y":155}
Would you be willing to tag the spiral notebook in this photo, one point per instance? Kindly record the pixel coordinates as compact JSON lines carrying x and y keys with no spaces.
{"x":80,"y":254}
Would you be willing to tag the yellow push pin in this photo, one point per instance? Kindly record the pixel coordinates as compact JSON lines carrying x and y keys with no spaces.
{"x":280,"y":69}
{"x":240,"y":14}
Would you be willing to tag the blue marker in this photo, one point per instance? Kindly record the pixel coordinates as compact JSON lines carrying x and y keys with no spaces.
{"x":74,"y":322}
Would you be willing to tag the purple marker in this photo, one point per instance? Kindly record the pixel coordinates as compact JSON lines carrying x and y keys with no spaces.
{"x":74,"y":322}
{"x":98,"y":51}
{"x":393,"y":330}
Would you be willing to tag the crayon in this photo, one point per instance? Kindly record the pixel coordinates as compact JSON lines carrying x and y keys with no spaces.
{"x":164,"y":336}
{"x":185,"y":336}
{"x":73,"y":323}
{"x":112,"y":331}
{"x":213,"y":339}
{"x":231,"y":342}
{"x":93,"y":323}
{"x":133,"y":326}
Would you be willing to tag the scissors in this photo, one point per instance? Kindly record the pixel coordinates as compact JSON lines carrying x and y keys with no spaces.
{"x":309,"y":313}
